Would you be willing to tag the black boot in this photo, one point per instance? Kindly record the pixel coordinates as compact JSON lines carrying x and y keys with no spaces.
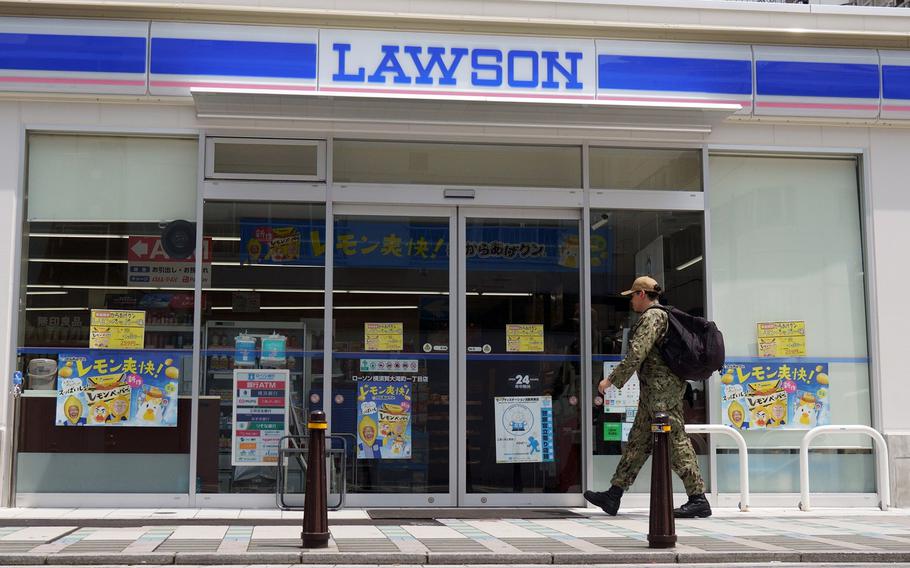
{"x":696,"y":506}
{"x":607,"y":500}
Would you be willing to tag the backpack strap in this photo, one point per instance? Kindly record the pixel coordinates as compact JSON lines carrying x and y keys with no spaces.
{"x":666,"y":310}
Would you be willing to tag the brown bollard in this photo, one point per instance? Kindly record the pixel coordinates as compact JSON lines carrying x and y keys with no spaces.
{"x":661,"y":526}
{"x":315,"y":509}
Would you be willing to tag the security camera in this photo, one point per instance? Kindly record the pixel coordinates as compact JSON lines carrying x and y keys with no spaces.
{"x":604,"y":218}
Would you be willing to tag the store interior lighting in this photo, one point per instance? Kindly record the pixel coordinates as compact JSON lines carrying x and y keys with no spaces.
{"x":689,"y":263}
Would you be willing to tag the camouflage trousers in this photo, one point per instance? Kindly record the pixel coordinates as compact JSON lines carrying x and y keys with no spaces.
{"x":638,"y":449}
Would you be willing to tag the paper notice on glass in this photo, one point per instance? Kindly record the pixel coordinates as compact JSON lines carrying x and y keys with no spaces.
{"x":524,"y":429}
{"x":524,"y":338}
{"x":620,"y":400}
{"x":782,"y":338}
{"x":117,"y":329}
{"x":383,"y":336}
{"x":626,"y":429}
{"x":260,"y":415}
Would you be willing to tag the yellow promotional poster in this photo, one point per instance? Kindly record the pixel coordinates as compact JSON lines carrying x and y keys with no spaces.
{"x":524,"y":338}
{"x":383,"y":336}
{"x":117,"y":388}
{"x":782,"y":339}
{"x":117,"y":329}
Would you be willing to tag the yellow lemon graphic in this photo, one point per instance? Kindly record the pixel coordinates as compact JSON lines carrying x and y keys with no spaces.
{"x":172,"y":373}
{"x":168,"y":361}
{"x":66,"y":372}
{"x":822,"y":393}
{"x":727,"y":379}
{"x":822,"y":379}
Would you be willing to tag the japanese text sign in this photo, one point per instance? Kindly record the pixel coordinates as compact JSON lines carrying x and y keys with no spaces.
{"x":117,"y":388}
{"x":524,"y":338}
{"x":782,"y":339}
{"x":383,"y":336}
{"x":384,"y":420}
{"x":785,"y":396}
{"x":117,"y":329}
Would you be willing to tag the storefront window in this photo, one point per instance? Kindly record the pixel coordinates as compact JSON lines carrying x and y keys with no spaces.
{"x":434,"y":163}
{"x":668,"y":246}
{"x":646,"y":168}
{"x":789,"y":295}
{"x":106,"y":336}
{"x":262,"y":332}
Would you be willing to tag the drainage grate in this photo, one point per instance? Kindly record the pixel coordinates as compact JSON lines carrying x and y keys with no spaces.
{"x":89,"y":546}
{"x":189,"y":545}
{"x":275,"y":545}
{"x":618,"y":543}
{"x":875,"y":542}
{"x":14,"y":546}
{"x":366,"y":545}
{"x":453,"y":545}
{"x":800,"y":544}
{"x":539,"y":545}
{"x":709,"y":544}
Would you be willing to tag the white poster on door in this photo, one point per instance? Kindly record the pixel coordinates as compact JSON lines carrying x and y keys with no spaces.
{"x":524,"y":429}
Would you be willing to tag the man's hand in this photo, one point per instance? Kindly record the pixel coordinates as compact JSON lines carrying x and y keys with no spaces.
{"x":604,"y":385}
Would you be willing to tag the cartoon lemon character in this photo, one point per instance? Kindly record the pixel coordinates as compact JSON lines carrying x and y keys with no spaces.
{"x":254,"y":249}
{"x":736,"y":413}
{"x":367,"y":430}
{"x":822,"y":393}
{"x":72,"y":408}
{"x":66,"y":371}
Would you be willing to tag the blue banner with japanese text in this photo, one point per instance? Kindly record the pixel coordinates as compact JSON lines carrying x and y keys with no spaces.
{"x":117,"y":388}
{"x":419,"y":244}
{"x":774,"y":395}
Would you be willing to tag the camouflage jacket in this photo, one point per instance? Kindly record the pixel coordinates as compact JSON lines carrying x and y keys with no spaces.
{"x":661,"y":390}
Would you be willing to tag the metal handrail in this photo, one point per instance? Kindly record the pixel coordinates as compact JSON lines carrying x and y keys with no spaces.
{"x":299,"y":453}
{"x":743,"y":455}
{"x":884,"y":478}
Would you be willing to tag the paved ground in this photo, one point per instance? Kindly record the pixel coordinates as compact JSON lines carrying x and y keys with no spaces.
{"x":573,"y":536}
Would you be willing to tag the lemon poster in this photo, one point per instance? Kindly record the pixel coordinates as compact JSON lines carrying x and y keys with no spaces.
{"x":384,"y":420}
{"x":782,"y":396}
{"x":117,"y":388}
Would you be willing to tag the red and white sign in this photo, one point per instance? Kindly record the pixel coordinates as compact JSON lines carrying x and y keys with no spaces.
{"x":149,"y":265}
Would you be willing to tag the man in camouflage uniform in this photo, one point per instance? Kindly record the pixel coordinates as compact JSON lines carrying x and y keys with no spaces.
{"x":661,"y":391}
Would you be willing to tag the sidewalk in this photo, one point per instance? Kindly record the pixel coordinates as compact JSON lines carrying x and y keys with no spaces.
{"x":546,"y":536}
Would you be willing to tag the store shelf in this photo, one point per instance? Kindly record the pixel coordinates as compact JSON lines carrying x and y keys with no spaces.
{"x":170,"y":328}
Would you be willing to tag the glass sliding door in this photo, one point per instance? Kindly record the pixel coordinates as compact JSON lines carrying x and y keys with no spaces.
{"x":521,"y":372}
{"x":392,"y":368}
{"x":262,"y":337}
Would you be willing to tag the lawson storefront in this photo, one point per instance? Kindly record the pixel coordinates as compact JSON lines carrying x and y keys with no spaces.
{"x":217,"y":228}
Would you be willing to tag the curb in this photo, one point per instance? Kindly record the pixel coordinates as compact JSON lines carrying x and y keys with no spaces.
{"x":109,"y":558}
{"x":492,"y":559}
{"x":474,"y":558}
{"x":644,"y":557}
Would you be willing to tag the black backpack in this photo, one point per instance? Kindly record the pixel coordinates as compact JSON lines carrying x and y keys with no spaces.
{"x":692,"y":347}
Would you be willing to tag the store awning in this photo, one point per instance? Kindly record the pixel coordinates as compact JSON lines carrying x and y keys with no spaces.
{"x":391,"y":114}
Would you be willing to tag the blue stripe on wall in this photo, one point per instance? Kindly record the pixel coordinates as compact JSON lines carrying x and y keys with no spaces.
{"x":98,"y":54}
{"x":805,"y":79}
{"x":896,"y":81}
{"x":172,"y":56}
{"x":679,"y":74}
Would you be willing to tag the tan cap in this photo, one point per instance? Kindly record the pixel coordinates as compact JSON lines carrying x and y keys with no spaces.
{"x":645,"y":283}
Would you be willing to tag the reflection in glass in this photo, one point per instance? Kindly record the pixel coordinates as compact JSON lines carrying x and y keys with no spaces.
{"x":390,"y":383}
{"x":523,"y":376}
{"x":668,"y":246}
{"x":262,"y":309}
